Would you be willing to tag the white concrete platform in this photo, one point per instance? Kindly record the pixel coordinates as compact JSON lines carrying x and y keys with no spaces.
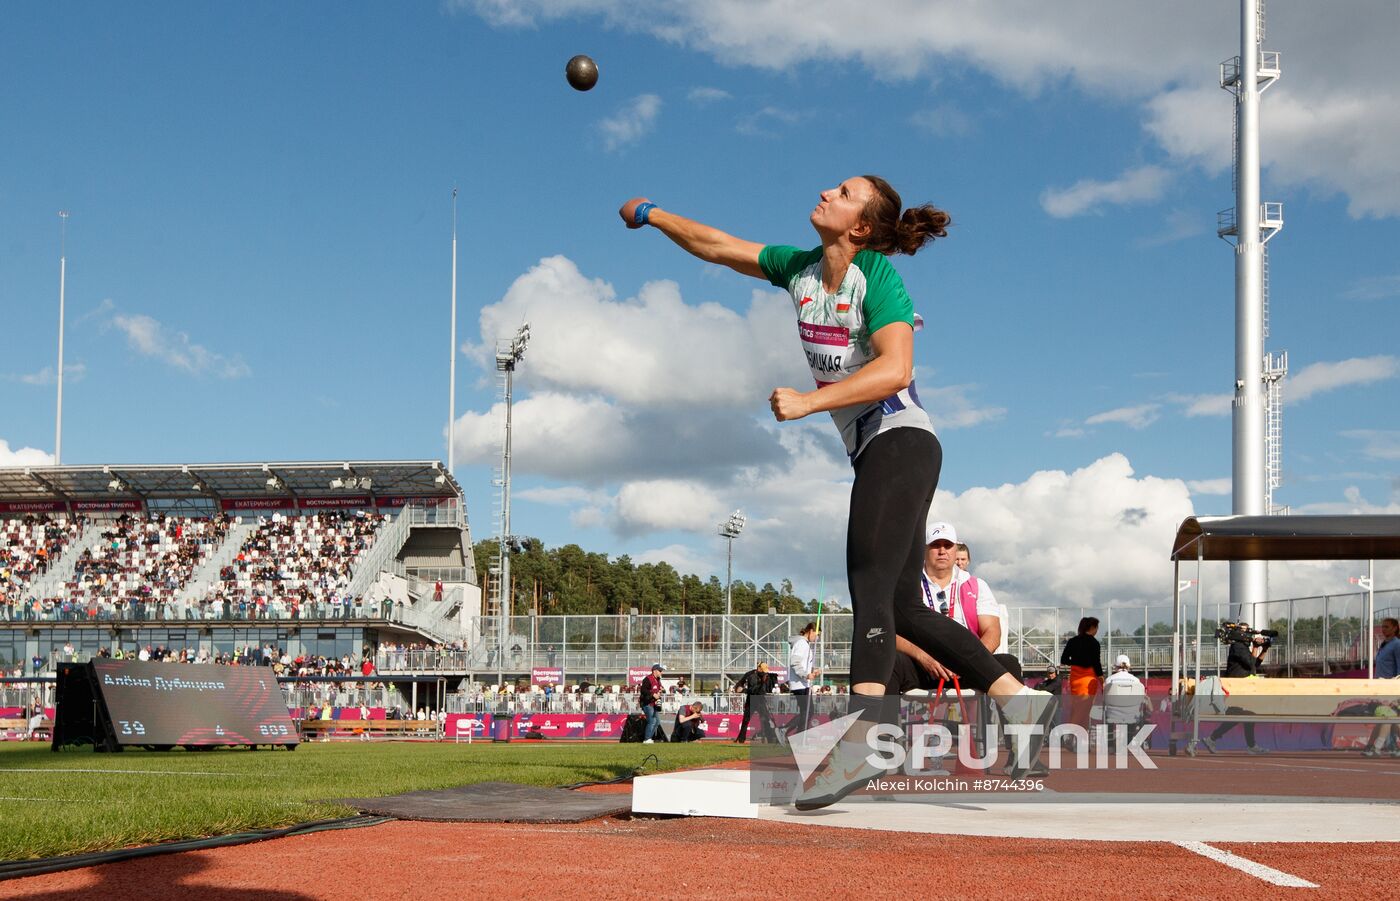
{"x":1170,"y":818}
{"x":695,"y":793}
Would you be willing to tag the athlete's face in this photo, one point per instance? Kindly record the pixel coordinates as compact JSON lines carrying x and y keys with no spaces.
{"x":841,"y":209}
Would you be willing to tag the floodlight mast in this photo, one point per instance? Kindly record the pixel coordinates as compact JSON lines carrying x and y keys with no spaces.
{"x":508,"y":355}
{"x":729,"y":530}
{"x":1251,"y":224}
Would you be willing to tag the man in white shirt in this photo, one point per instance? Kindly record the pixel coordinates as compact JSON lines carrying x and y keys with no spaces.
{"x":1125,"y":700}
{"x":801,"y":672}
{"x":947,"y":589}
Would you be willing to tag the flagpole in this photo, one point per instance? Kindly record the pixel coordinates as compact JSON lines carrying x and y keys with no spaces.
{"x":452,"y":358}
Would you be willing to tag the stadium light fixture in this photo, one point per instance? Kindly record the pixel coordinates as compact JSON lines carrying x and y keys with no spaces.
{"x":729,"y":530}
{"x":337,"y":483}
{"x":365,"y":483}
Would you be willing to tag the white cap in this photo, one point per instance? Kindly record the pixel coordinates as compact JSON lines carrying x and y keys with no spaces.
{"x":940,"y":531}
{"x":1122,"y":661}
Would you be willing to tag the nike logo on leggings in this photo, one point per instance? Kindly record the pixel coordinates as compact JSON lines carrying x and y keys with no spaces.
{"x":875,"y":633}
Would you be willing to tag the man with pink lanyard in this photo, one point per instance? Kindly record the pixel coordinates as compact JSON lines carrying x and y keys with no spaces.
{"x":947,"y":589}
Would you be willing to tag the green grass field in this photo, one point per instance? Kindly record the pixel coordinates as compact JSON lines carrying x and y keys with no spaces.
{"x":78,"y":800}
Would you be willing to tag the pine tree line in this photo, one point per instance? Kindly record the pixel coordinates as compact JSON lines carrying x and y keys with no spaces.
{"x":570,"y":580}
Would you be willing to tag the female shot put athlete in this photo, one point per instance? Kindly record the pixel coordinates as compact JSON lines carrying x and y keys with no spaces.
{"x":855,"y":322}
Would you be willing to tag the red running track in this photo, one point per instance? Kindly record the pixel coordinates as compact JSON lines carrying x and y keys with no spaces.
{"x":707,"y":859}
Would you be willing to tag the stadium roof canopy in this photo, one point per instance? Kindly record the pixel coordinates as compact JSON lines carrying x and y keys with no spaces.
{"x":1288,"y":538}
{"x":350,"y":483}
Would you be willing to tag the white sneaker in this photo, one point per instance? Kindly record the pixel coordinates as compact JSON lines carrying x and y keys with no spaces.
{"x":1209,"y":743}
{"x":846,"y":770}
{"x":1371,"y":752}
{"x":1030,"y":708}
{"x":1256,"y":749}
{"x":649,"y":741}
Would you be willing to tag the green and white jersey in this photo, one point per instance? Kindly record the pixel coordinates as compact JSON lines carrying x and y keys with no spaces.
{"x":835,"y":330}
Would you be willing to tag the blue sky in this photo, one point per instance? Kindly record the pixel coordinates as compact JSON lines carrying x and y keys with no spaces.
{"x":259,"y":258}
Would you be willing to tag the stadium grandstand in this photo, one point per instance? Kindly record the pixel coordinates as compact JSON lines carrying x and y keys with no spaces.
{"x":323,"y":559}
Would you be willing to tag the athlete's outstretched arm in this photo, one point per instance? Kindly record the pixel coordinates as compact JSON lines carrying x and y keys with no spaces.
{"x":709,"y":244}
{"x":889,"y":372}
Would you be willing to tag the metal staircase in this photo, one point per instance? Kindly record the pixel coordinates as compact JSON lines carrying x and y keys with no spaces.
{"x":206,"y":574}
{"x":389,"y":539}
{"x":51,"y":583}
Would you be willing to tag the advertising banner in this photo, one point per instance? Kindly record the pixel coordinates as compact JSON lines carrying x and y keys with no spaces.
{"x":131,"y":505}
{"x":33,"y":506}
{"x":554,"y":725}
{"x":257,"y":503}
{"x":635,"y":674}
{"x":401,"y":500}
{"x":547,"y":675}
{"x":461,"y":725}
{"x":333,"y":503}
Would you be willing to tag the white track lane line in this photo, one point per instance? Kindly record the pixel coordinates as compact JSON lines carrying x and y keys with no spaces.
{"x":1245,"y":865}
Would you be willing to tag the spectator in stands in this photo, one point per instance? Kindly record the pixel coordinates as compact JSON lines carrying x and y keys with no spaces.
{"x":1084,"y":659}
{"x":756,"y":685}
{"x":650,"y":695}
{"x":1383,"y":737}
{"x":689,"y":723}
{"x":1052,"y":683}
{"x":962,"y":557}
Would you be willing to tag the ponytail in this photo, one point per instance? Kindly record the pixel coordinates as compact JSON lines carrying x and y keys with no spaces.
{"x":893,"y":232}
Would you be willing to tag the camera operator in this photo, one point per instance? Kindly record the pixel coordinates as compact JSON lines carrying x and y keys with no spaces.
{"x":1246,"y":656}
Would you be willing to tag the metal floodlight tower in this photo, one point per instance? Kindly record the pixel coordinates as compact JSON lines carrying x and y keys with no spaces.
{"x":1256,"y":409}
{"x":508,"y":355}
{"x":729,"y":530}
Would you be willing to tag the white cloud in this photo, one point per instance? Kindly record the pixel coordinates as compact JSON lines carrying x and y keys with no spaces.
{"x":1204,"y":404}
{"x":593,"y":440}
{"x":768,"y":122}
{"x":651,"y":351}
{"x":1068,"y":432}
{"x":667,"y":505}
{"x":1140,"y":185}
{"x":943,"y":120}
{"x":704,"y":96}
{"x":72,"y":372}
{"x":1086,"y":537}
{"x":1374,"y":288}
{"x":1322,"y":377}
{"x":1136,"y":417}
{"x":1320,"y":130}
{"x":1179,"y":225}
{"x":1211,"y":486}
{"x":25,"y":456}
{"x":950,"y":407}
{"x":150,"y":338}
{"x":1378,"y":444}
{"x":631,"y":123}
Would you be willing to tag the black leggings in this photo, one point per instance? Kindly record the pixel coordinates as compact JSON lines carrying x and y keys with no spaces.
{"x":896,"y":476}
